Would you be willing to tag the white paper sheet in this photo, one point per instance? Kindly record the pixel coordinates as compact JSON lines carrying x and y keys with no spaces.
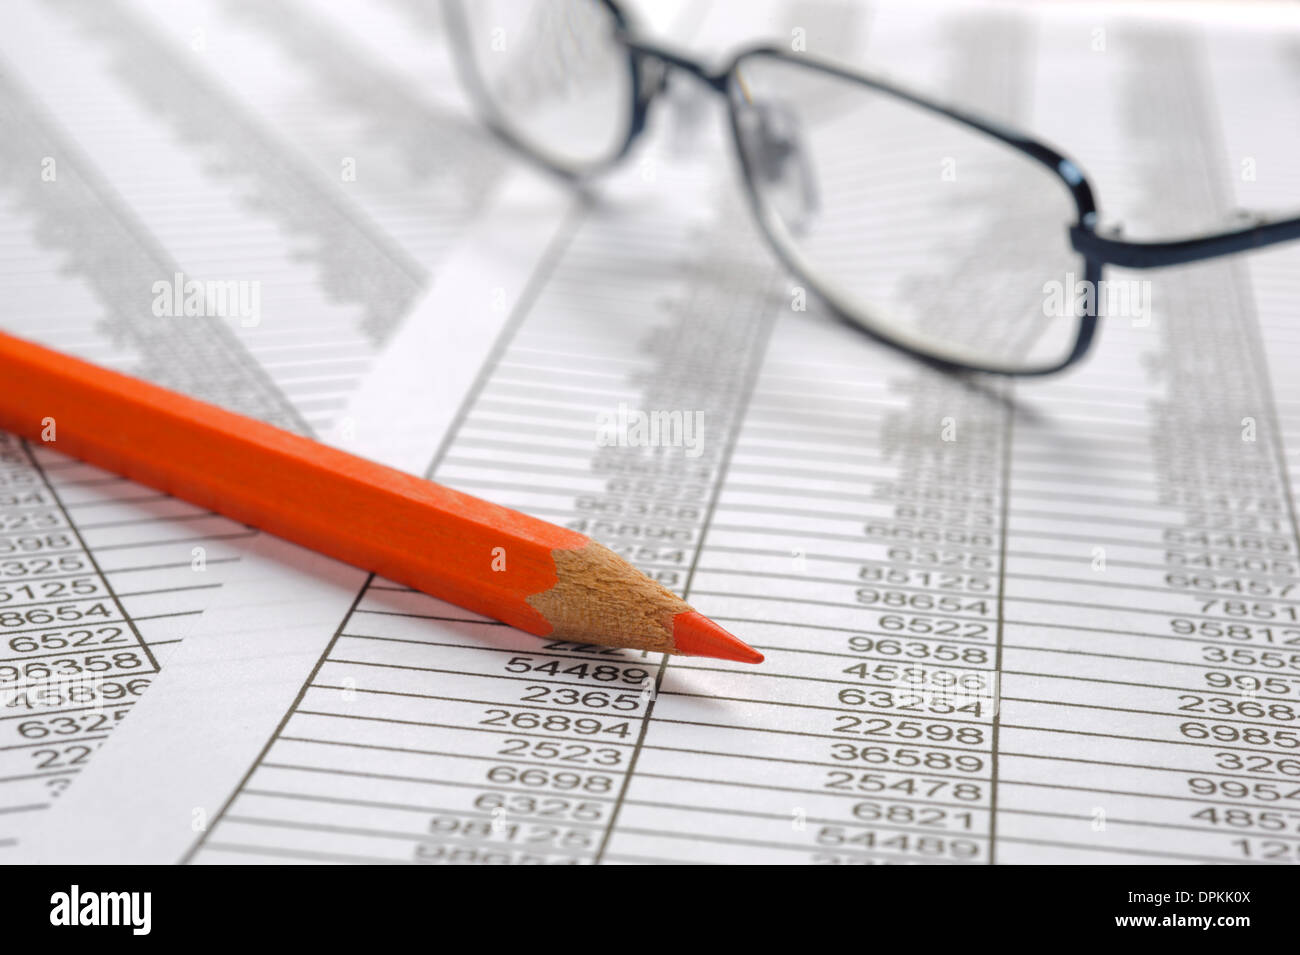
{"x":1101,"y":563}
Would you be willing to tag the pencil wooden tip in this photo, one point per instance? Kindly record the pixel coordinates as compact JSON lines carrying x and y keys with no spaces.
{"x":599,"y":597}
{"x":696,"y":635}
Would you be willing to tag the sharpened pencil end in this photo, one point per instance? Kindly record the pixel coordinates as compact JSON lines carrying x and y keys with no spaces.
{"x":696,"y":635}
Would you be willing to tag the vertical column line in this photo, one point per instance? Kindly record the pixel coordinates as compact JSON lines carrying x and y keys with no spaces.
{"x":58,"y":501}
{"x":747,"y":389}
{"x":1008,"y":437}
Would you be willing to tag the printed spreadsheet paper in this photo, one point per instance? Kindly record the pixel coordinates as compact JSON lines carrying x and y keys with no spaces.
{"x":145,"y":141}
{"x":1065,"y":635}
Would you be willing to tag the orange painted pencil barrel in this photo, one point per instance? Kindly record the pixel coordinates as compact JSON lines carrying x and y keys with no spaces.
{"x":531,"y":574}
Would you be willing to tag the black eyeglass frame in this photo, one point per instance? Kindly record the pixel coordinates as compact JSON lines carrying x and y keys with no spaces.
{"x":649,"y":65}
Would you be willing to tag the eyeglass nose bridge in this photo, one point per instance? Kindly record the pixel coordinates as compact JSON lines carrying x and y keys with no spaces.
{"x":658,"y":61}
{"x":653,"y":66}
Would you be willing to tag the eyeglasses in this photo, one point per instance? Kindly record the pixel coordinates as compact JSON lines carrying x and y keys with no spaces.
{"x":891,"y":208}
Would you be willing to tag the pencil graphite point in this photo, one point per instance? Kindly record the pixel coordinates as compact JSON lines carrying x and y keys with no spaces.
{"x":696,"y":635}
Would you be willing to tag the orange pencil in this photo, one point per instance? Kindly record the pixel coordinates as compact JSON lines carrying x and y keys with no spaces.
{"x":533,"y":575}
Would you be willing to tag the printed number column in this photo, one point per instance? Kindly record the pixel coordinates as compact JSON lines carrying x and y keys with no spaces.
{"x":68,"y":653}
{"x":860,"y":549}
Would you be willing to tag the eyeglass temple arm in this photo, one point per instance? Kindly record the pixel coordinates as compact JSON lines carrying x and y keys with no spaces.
{"x":1150,"y":255}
